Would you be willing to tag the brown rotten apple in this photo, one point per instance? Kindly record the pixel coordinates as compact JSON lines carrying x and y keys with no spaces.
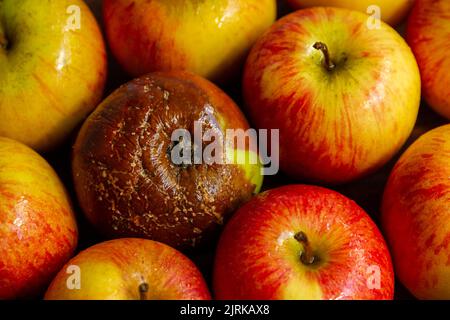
{"x":344,"y":97}
{"x":126,"y":178}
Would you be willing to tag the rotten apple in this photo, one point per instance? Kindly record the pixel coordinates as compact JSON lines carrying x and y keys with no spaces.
{"x":128,"y":181}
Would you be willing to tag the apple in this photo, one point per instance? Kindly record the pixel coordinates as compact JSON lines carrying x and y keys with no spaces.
{"x":127,"y":181}
{"x":129,"y":269}
{"x":302,"y":242}
{"x":209,"y":37}
{"x":416,"y":215}
{"x":52,"y":69}
{"x":345,"y":98}
{"x":392,"y":12}
{"x":38,"y":232}
{"x":428,"y":35}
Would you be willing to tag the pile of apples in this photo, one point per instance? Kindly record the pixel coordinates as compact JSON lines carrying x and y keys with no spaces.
{"x":342,"y":87}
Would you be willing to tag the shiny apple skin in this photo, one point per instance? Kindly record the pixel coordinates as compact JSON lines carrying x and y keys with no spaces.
{"x":336,"y":126}
{"x":38,"y":231}
{"x":50,"y":78}
{"x":209,"y":37}
{"x":258,"y":258}
{"x":416,"y":215}
{"x":125,"y":180}
{"x":428,"y":34}
{"x":392,"y":12}
{"x":114,"y":270}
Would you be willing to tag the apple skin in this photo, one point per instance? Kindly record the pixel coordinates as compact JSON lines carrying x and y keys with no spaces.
{"x":258,"y":257}
{"x":50,"y":79}
{"x":125,"y":180}
{"x":210,"y":37}
{"x":38,"y":231}
{"x":392,"y":12}
{"x":428,"y":34}
{"x":416,"y":215}
{"x":335,"y":126}
{"x":115,"y":270}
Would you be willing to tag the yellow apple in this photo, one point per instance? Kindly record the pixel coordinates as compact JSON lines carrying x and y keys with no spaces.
{"x":392,"y":11}
{"x":129,"y":269}
{"x":209,"y":37}
{"x":52,"y":69}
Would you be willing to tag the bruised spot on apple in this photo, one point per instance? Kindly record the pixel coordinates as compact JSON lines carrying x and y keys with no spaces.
{"x":129,"y":269}
{"x":126,"y":180}
{"x":208,"y":37}
{"x":302,"y":242}
{"x":428,"y":34}
{"x":51,"y":76}
{"x":345,"y":98}
{"x":416,"y":215}
{"x":38,"y":231}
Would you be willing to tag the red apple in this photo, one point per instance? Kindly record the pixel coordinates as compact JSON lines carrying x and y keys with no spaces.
{"x":416,"y":215}
{"x":344,"y":97}
{"x":129,"y":269}
{"x":208,"y":37}
{"x":128,"y":184}
{"x":38,"y":232}
{"x":428,"y":33}
{"x":302,"y":242}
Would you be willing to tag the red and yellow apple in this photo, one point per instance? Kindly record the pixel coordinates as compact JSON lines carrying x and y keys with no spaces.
{"x":428,"y":34}
{"x":129,"y":269}
{"x":209,"y":37}
{"x":52,"y":69}
{"x":416,"y":215}
{"x":38,"y":232}
{"x":345,"y":98}
{"x":127,"y":182}
{"x":392,"y":12}
{"x":302,"y":242}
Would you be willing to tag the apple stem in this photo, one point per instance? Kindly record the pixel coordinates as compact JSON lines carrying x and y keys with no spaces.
{"x":143,"y":290}
{"x":329,"y":65}
{"x":307,"y":257}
